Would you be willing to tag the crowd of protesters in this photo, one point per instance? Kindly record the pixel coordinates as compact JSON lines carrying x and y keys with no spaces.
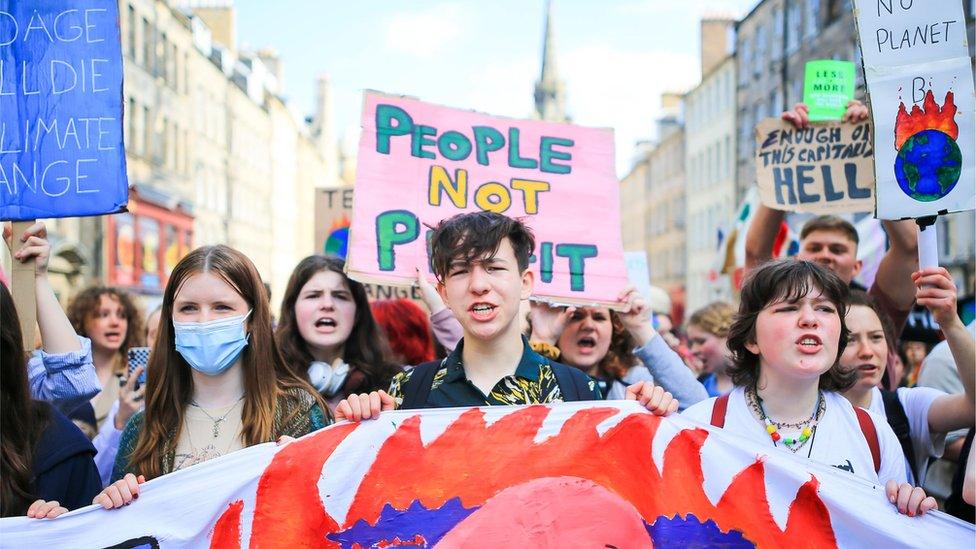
{"x":807,"y":362}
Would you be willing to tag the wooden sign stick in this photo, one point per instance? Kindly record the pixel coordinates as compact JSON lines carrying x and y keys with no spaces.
{"x":22,"y":286}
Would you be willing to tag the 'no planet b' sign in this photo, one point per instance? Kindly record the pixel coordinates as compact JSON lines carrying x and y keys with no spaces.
{"x":61,"y":151}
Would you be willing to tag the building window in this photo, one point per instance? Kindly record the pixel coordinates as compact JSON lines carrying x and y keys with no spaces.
{"x":175,"y":57}
{"x":146,"y":131}
{"x":161,"y":145}
{"x":728,"y":155}
{"x":760,"y":55}
{"x":711,"y":165}
{"x":162,"y":53}
{"x":777,"y":45}
{"x":745,"y":133}
{"x":147,"y":46}
{"x":130,"y":24}
{"x":186,"y":152}
{"x":792,"y":27}
{"x":172,"y":67}
{"x":186,"y":73}
{"x":812,"y":18}
{"x":745,"y":60}
{"x":130,"y":110}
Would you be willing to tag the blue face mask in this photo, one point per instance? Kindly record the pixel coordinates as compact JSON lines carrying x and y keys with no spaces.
{"x":211,"y":347}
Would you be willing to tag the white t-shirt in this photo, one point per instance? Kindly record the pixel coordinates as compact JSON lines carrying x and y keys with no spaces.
{"x":916,"y":402}
{"x":838,"y":440}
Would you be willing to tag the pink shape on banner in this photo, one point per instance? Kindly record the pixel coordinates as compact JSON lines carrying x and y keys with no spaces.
{"x":557,"y":505}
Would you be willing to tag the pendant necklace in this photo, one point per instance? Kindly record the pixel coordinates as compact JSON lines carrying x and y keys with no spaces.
{"x":216,"y":420}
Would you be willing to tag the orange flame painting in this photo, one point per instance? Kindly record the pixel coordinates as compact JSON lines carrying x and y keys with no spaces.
{"x":611,"y":479}
{"x":930,"y":117}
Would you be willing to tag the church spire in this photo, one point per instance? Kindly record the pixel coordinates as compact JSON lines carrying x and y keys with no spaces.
{"x":549,"y":90}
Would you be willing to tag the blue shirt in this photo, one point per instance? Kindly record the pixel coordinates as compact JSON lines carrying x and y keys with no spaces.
{"x":66,"y":380}
{"x":710,"y":381}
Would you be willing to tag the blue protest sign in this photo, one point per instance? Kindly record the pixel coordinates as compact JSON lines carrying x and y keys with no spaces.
{"x":61,"y":151}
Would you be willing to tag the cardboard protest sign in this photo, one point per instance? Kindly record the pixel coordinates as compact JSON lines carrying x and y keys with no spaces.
{"x":920,"y":82}
{"x":580,"y":474}
{"x":826,"y":168}
{"x":638,"y":273}
{"x":61,"y":151}
{"x":420,"y":163}
{"x":828,"y":85}
{"x":333,"y":208}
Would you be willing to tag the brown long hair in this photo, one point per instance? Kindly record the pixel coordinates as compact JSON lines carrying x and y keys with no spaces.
{"x":366,"y":350}
{"x":169,"y":384}
{"x":85,"y":306}
{"x":22,"y":419}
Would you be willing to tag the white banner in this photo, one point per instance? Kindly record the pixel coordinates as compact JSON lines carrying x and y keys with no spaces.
{"x":582,"y":474}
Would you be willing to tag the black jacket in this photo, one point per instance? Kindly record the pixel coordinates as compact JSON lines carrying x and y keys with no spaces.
{"x":64,"y":466}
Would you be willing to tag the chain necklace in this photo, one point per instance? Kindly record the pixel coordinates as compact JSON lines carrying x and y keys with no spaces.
{"x":199,"y":455}
{"x":808,"y":427}
{"x":217,"y":421}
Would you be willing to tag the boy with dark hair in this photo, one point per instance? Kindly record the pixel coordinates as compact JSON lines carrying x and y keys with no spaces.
{"x":481,"y":263}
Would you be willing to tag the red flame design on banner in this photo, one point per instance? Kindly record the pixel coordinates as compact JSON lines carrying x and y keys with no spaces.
{"x":288,"y":510}
{"x":475,"y":461}
{"x":931,"y":117}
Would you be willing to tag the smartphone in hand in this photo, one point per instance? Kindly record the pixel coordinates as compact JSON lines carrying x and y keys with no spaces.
{"x":139,"y":356}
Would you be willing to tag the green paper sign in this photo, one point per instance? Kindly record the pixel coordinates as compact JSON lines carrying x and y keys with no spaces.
{"x":828,"y":86}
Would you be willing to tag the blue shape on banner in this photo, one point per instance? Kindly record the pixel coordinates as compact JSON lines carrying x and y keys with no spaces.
{"x":691,"y":532}
{"x":414,"y":526}
{"x":61,"y":150}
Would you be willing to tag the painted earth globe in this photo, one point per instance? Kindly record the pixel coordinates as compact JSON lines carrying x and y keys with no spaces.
{"x":928,"y":165}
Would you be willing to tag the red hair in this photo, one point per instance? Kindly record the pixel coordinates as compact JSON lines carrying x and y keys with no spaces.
{"x":407,"y":329}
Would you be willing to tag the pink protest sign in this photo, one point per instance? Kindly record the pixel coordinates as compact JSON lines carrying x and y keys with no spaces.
{"x":421,"y":163}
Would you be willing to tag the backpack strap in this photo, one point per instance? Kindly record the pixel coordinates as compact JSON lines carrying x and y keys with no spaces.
{"x":870,"y":435}
{"x":719,"y":409}
{"x":898,"y":420}
{"x":416,"y":389}
{"x":569,"y":383}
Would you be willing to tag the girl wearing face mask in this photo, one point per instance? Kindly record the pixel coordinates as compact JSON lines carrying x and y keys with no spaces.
{"x":617,"y":349}
{"x":327,"y":333}
{"x":930,"y":413}
{"x":216,"y":382}
{"x":113,"y":323}
{"x":786,"y":344}
{"x":708,"y":330}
